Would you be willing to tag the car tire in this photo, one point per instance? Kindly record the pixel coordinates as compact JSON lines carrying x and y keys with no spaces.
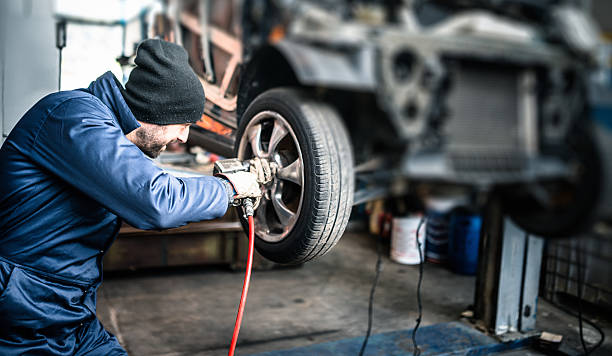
{"x":306,"y":208}
{"x":576,"y":199}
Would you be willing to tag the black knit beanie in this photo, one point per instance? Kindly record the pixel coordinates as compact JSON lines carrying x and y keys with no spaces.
{"x":163,"y":89}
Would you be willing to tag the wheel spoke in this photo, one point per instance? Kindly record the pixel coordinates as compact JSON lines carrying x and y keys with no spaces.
{"x":260,"y":214}
{"x":282,"y":211}
{"x":292,"y":172}
{"x":254,"y":135}
{"x":278,"y":133}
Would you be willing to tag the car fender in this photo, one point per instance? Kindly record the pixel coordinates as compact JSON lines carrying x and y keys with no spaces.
{"x":338,"y":68}
{"x":290,"y":63}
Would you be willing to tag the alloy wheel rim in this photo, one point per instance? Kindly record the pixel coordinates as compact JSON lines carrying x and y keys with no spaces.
{"x":269,"y":136}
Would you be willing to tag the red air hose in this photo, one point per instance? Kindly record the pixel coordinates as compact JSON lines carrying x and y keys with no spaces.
{"x":245,"y":287}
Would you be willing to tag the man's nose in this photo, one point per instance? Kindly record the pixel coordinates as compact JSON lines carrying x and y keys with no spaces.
{"x":184,"y":134}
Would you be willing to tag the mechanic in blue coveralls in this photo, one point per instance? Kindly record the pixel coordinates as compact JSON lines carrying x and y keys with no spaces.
{"x":75,"y":166}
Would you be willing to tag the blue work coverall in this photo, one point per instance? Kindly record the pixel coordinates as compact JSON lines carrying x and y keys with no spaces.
{"x":68,"y":177}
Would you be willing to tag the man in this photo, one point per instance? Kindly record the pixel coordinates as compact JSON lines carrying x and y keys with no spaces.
{"x":71,"y":169}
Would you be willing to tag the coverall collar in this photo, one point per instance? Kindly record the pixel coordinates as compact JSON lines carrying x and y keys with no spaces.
{"x":108,"y":89}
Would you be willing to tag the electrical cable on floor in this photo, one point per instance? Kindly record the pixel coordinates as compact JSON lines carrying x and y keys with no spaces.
{"x":602,"y":335}
{"x":371,"y":301}
{"x":579,"y":277}
{"x":245,"y":286}
{"x":580,"y":318}
{"x":417,"y":350}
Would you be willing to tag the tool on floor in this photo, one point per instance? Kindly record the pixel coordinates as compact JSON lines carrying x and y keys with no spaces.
{"x":232,"y":166}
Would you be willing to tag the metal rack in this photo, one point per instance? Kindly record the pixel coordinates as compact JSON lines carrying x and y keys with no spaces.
{"x":560,"y":268}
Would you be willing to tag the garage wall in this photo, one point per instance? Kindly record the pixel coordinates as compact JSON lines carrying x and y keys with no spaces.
{"x":28,"y":58}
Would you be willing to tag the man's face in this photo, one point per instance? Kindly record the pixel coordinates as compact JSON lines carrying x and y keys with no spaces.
{"x":152,"y":139}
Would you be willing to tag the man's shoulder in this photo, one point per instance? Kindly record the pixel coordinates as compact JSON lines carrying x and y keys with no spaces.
{"x":62,"y":110}
{"x":78,"y":100}
{"x":68,"y":108}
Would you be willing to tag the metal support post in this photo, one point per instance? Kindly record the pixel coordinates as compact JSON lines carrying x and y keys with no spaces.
{"x":508,"y":274}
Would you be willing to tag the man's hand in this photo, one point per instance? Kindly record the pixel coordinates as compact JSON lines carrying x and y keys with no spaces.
{"x":263,"y":169}
{"x":245,"y":185}
{"x":242,"y":184}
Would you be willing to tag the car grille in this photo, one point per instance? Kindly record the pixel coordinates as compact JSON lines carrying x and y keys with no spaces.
{"x":482,"y":131}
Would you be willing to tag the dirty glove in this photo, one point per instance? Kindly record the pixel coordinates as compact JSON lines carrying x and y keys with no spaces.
{"x":262,"y":169}
{"x":243,"y":185}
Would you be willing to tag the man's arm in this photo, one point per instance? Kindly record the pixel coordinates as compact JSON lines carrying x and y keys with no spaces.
{"x":85,"y":148}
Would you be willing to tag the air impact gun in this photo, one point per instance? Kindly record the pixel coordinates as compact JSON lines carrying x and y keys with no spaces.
{"x":230,"y":166}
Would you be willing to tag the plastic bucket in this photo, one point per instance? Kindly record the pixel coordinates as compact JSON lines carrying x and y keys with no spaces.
{"x":403,"y":240}
{"x":463,"y":243}
{"x":437,"y":237}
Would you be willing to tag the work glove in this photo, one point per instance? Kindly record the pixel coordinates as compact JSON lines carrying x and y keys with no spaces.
{"x":242,"y":185}
{"x":262,"y":169}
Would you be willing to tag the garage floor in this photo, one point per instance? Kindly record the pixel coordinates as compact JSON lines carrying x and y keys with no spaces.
{"x":192,"y":311}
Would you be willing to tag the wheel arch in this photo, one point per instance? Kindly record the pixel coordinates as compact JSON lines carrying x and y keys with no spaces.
{"x":289,"y":63}
{"x":268,"y":68}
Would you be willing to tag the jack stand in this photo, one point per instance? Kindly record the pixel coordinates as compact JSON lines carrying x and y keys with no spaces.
{"x":508,"y":277}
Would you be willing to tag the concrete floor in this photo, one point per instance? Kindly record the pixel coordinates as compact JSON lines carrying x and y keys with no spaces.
{"x":192,"y":311}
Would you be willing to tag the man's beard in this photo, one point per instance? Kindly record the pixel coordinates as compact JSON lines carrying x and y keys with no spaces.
{"x":150,"y":140}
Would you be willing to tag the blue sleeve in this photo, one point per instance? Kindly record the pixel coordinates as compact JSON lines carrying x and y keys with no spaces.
{"x":82,"y":144}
